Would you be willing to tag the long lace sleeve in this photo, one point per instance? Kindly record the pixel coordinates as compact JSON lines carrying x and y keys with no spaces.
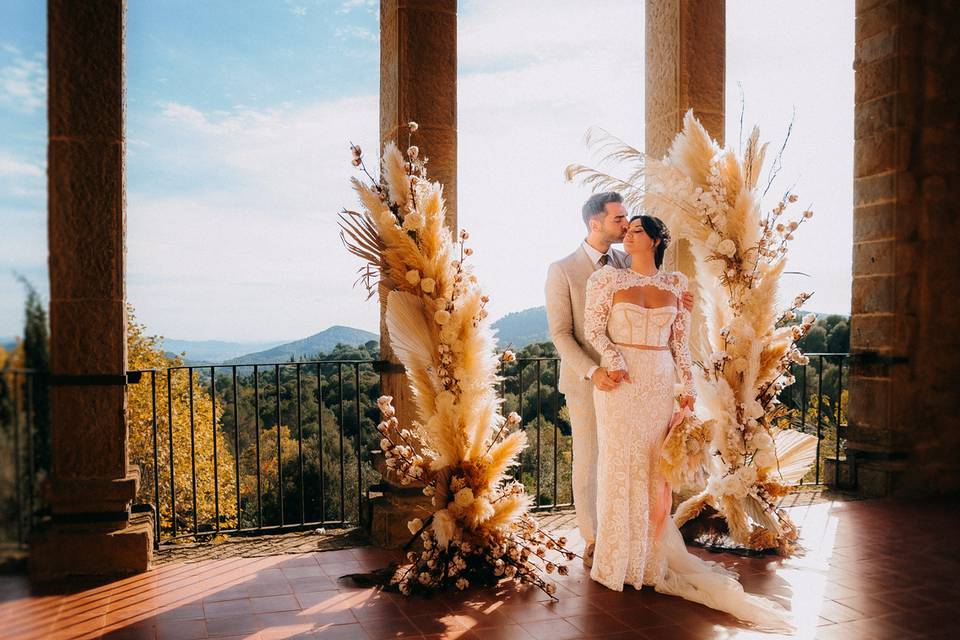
{"x":679,"y":340}
{"x":596,"y":314}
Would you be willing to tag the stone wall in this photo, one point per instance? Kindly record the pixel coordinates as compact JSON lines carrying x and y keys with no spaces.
{"x":904,"y":432}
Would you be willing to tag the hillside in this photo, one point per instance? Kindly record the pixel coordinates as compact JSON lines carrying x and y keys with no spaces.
{"x":322,"y":342}
{"x":520,"y":328}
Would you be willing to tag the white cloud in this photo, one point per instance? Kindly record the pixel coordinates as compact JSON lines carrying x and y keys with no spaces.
{"x":519,"y":126}
{"x":23,"y":82}
{"x":10,"y":166}
{"x":346,"y":6}
{"x":812,"y":74}
{"x":259,"y":255}
{"x":254,"y":252}
{"x":353,"y":31}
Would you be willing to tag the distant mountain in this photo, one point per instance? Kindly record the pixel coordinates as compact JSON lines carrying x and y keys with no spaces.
{"x":8,"y":343}
{"x":520,"y":328}
{"x":322,"y":342}
{"x":213,"y":350}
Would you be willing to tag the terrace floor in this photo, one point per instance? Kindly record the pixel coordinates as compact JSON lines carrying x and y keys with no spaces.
{"x":869,"y":569}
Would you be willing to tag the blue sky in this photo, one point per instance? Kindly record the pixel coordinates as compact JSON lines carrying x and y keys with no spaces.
{"x":239,"y":115}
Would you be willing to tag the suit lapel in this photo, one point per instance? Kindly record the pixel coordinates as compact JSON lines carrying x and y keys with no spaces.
{"x":584,"y":259}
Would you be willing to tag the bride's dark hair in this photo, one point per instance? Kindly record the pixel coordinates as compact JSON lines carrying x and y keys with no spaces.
{"x":655,"y":228}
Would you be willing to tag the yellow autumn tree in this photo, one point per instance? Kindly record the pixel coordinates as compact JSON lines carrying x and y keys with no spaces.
{"x":270,"y":468}
{"x":145,"y":353}
{"x":9,"y":506}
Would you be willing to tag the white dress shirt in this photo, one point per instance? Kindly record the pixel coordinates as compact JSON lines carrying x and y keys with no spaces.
{"x":596,"y":255}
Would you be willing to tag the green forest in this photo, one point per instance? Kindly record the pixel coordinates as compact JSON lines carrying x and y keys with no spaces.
{"x":292,"y":442}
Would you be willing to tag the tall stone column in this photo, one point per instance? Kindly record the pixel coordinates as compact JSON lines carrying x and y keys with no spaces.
{"x":904,"y":431}
{"x":685,"y":69}
{"x":418,"y":82}
{"x":91,"y":486}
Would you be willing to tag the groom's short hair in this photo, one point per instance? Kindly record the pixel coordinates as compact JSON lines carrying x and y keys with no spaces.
{"x":596,"y":204}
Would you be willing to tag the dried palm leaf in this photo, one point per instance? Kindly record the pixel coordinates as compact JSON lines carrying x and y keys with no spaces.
{"x":796,"y":451}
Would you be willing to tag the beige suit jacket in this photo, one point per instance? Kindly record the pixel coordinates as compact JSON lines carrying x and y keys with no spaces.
{"x":565,"y":291}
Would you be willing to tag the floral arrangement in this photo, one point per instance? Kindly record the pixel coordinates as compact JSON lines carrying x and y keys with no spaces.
{"x":460,"y":447}
{"x":683,"y":453}
{"x":710,"y":197}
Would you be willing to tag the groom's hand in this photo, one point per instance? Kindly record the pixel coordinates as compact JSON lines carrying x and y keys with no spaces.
{"x":688,"y":300}
{"x":603,"y":381}
{"x":619,"y":376}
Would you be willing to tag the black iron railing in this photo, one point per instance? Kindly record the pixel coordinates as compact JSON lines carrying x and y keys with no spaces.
{"x":254,"y":448}
{"x":817,"y":404}
{"x":529,"y":387}
{"x":228,"y":449}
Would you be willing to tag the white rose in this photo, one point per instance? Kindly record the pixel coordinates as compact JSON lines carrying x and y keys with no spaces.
{"x":765,"y":459}
{"x":442,"y":316}
{"x":727,"y":247}
{"x":428,"y":285}
{"x":413,"y":277}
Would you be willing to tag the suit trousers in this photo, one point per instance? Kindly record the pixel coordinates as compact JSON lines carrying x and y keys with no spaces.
{"x":583,"y":424}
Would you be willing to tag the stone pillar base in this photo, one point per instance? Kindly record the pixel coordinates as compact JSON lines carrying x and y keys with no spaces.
{"x":880,"y":478}
{"x":839,"y":474}
{"x":65,"y":550}
{"x":387,"y":511}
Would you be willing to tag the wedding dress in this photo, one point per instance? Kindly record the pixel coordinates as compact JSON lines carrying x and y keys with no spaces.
{"x":637,"y":541}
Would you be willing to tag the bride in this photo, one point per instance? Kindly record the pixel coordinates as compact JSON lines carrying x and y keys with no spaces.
{"x":634,"y":319}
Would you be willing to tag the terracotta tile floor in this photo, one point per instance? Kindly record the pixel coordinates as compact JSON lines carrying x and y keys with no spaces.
{"x":870,"y":569}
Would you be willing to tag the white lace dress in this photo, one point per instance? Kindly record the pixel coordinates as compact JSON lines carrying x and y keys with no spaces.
{"x":637,"y":542}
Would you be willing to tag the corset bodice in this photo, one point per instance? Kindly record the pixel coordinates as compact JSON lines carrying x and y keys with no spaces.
{"x":634,"y":324}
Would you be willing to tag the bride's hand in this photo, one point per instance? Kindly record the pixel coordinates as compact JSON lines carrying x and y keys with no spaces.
{"x":686,"y":402}
{"x":620,"y":376}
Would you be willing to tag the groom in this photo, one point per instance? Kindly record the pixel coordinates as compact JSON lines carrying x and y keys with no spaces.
{"x":606,"y":221}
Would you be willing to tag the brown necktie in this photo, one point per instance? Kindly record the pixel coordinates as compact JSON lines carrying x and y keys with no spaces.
{"x":604,"y":259}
